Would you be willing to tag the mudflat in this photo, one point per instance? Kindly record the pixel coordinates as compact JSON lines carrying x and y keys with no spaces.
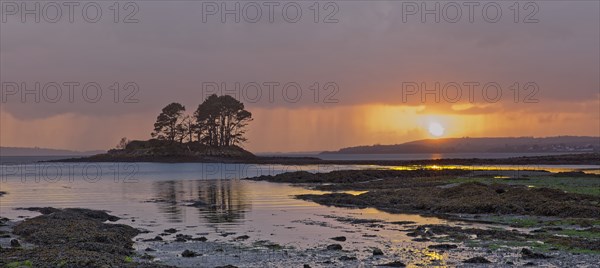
{"x":536,"y":213}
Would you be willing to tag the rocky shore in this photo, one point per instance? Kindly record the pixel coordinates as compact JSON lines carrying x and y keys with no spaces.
{"x":557,"y":212}
{"x":453,"y":191}
{"x":70,"y":238}
{"x":83,"y":238}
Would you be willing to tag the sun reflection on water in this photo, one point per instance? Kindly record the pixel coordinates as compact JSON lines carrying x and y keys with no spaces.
{"x":550,"y":168}
{"x":434,"y":259}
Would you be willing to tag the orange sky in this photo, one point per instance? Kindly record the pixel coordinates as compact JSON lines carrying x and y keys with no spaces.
{"x":308,"y":129}
{"x":370,"y":53}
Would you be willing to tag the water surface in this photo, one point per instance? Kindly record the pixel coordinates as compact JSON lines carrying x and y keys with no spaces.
{"x":155,"y":196}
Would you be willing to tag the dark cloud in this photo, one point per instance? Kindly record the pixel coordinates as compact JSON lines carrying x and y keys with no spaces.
{"x":369,"y":54}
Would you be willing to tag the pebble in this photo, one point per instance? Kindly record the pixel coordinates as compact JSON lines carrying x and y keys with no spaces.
{"x":339,"y":238}
{"x":188,"y":254}
{"x":477,"y":260}
{"x":15,"y":243}
{"x":334,"y":247}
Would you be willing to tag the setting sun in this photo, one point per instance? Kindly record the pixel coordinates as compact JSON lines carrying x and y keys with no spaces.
{"x":436,"y":129}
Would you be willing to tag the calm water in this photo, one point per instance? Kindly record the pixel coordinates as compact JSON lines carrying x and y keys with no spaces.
{"x":33,"y":159}
{"x":157,"y":196}
{"x":5,"y":160}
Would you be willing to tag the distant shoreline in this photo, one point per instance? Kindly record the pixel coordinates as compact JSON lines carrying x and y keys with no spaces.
{"x":557,"y":144}
{"x":564,"y":159}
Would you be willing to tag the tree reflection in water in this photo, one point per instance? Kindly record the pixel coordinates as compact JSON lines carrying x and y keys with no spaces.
{"x":224,"y":201}
{"x":167,"y":198}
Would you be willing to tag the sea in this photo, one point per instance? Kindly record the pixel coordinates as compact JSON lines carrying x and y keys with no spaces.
{"x":157,"y":196}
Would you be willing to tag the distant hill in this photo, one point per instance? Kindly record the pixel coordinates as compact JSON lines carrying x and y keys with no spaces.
{"x":23,"y":151}
{"x":482,"y":145}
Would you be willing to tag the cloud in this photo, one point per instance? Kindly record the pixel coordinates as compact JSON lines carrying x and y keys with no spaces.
{"x":369,"y":54}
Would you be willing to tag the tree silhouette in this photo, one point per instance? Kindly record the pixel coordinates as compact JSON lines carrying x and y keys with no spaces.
{"x":218,"y":121}
{"x":187,"y":128}
{"x":122,"y":143}
{"x":221,"y":121}
{"x":207,"y":120}
{"x":168,"y":121}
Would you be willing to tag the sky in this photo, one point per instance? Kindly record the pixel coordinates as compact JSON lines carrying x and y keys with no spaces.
{"x":353,"y":73}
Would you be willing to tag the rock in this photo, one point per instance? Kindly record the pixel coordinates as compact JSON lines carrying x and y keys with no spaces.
{"x":15,"y":243}
{"x":201,"y":239}
{"x":150,"y":249}
{"x":477,"y":260}
{"x":170,"y":231}
{"x":421,"y":231}
{"x":377,"y":252}
{"x":339,"y":238}
{"x":241,"y":237}
{"x":43,"y":210}
{"x":75,"y":238}
{"x":528,"y":254}
{"x":529,"y":264}
{"x":94,"y":214}
{"x":346,"y":258}
{"x":188,"y":254}
{"x":443,"y":246}
{"x":306,"y":266}
{"x":147,"y":256}
{"x":227,"y":234}
{"x":393,"y":264}
{"x":182,"y":238}
{"x":156,"y":238}
{"x":334,"y":247}
{"x":227,"y":266}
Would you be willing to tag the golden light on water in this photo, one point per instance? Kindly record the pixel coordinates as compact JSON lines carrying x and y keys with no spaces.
{"x":516,"y":168}
{"x":434,"y":167}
